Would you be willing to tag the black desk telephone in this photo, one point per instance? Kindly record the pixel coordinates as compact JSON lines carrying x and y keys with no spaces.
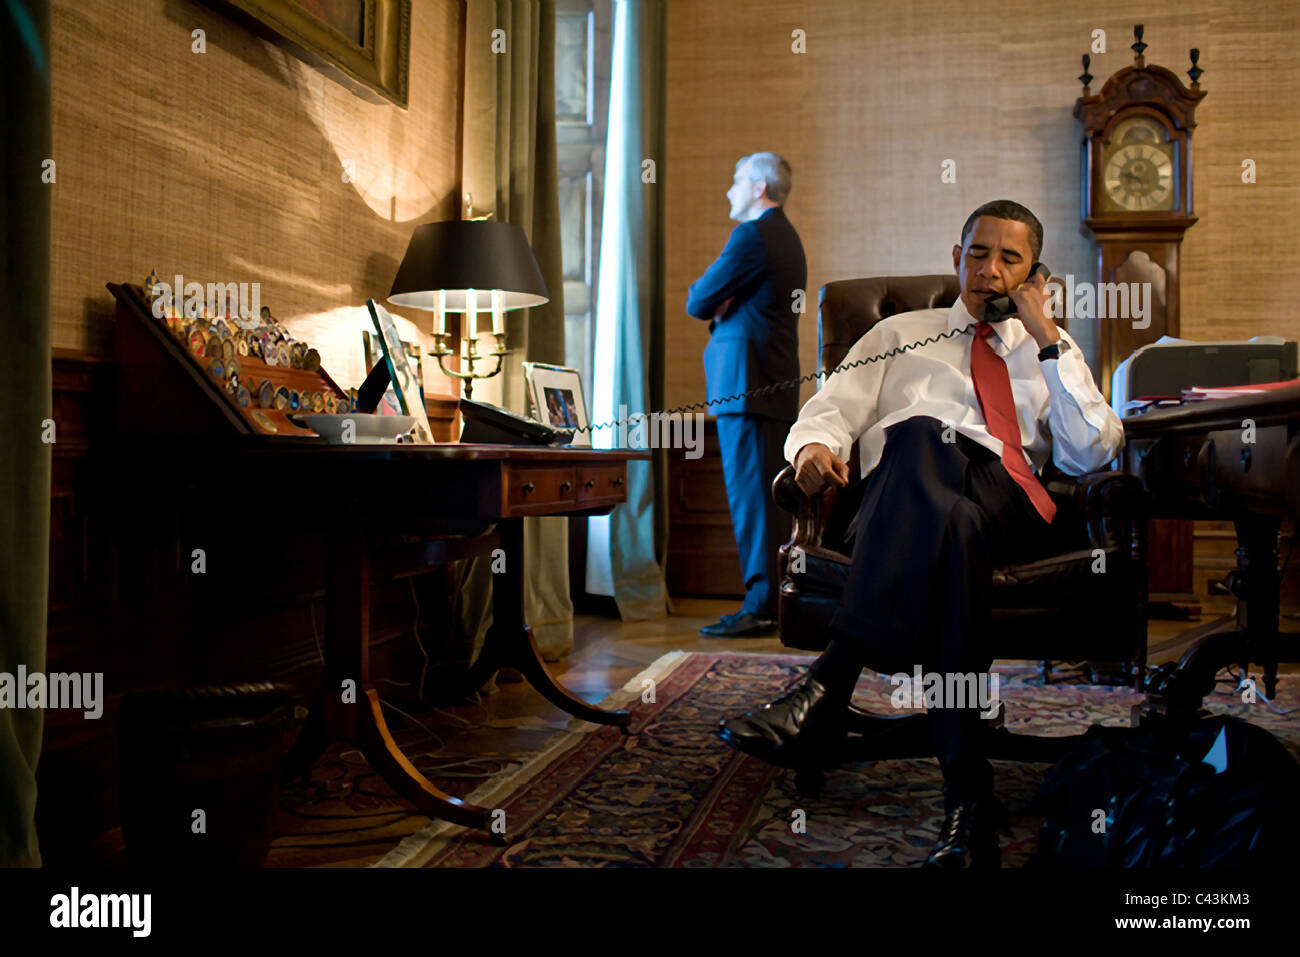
{"x":997,"y":310}
{"x":488,"y":425}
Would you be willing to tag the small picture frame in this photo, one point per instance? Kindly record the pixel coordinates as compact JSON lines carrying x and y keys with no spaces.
{"x":406,"y":384}
{"x":557,"y":397}
{"x":370,"y":348}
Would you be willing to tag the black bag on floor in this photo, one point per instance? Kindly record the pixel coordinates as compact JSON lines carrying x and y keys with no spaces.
{"x":1213,"y":792}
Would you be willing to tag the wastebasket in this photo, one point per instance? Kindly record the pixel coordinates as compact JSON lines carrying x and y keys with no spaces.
{"x":199,"y":773}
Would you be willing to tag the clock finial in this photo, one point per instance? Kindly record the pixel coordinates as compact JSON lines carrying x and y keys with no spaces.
{"x":1139,"y":46}
{"x":1085,"y":77}
{"x":1195,"y":72}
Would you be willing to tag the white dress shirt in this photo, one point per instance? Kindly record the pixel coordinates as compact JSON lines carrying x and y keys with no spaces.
{"x":1058,"y":407}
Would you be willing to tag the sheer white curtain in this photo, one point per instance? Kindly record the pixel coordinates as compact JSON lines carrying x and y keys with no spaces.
{"x":621,"y":547}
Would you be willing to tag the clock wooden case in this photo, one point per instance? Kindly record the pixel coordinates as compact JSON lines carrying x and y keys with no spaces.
{"x":1137,"y":205}
{"x":1137,"y":192}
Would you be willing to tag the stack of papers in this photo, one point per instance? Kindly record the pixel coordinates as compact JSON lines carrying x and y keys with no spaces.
{"x":1197,"y":393}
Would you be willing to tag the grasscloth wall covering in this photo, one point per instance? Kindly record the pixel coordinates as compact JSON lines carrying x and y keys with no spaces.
{"x":228,"y":166}
{"x":886,"y":92}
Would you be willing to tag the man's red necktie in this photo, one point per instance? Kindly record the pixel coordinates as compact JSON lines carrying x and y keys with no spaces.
{"x":993,"y":389}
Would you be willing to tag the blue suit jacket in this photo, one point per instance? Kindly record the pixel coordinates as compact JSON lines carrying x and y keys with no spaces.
{"x":757,"y":341}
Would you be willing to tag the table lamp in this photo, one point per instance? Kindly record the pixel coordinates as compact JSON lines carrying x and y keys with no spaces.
{"x":467,"y":266}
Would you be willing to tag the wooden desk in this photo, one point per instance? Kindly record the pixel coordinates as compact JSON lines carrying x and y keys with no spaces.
{"x":477,"y":495}
{"x":190,"y":446}
{"x":1235,"y":459}
{"x":461,"y":501}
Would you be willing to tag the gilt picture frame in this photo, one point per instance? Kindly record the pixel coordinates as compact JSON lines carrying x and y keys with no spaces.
{"x":363,"y":44}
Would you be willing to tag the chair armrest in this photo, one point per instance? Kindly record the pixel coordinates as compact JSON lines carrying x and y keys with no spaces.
{"x":806,"y":509}
{"x":1080,"y":487}
{"x":1111,"y":505}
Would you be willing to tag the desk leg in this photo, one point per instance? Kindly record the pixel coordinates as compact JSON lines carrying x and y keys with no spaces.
{"x":509,"y":642}
{"x":347,"y":708}
{"x":1255,"y":582}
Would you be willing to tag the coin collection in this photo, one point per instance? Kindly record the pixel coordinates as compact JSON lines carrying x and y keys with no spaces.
{"x":219,"y":343}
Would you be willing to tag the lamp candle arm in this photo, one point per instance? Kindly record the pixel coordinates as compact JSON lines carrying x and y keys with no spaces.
{"x":440,"y":312}
{"x":472,"y":357}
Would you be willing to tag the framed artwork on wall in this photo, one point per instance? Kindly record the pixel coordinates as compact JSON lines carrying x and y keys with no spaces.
{"x":363,"y":44}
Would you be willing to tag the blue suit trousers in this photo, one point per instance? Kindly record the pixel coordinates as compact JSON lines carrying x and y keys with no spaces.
{"x":752,"y":456}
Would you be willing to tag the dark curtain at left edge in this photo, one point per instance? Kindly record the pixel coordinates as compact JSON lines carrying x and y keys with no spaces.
{"x":25,"y":458}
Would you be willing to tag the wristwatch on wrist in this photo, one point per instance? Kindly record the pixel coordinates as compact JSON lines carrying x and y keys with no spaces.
{"x":1053,"y":351}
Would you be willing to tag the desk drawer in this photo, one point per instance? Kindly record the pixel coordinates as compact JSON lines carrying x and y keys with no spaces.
{"x":1214,"y":470}
{"x":601,"y":484}
{"x":1251,"y":469}
{"x":536,"y":491}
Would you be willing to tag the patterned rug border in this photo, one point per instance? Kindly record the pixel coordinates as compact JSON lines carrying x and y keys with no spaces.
{"x":416,"y":849}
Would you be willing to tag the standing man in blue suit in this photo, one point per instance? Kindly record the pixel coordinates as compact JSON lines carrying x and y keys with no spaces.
{"x":752,"y":296}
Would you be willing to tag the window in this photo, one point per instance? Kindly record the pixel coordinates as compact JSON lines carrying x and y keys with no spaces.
{"x":582,"y":52}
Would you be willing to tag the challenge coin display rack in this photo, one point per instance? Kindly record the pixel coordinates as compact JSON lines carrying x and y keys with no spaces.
{"x":177,"y":372}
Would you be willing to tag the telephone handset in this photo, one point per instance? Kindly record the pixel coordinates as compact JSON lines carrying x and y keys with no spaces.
{"x":996,"y":310}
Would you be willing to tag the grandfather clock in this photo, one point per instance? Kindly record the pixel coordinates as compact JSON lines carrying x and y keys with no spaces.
{"x":1137,"y":195}
{"x":1137,"y":204}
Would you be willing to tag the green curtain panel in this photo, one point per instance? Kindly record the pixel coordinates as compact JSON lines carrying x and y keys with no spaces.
{"x":25,"y":460}
{"x":510,"y":169}
{"x":630,"y":305}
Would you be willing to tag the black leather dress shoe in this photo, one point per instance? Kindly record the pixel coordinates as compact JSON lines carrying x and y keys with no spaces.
{"x":803,"y":728}
{"x":968,"y":838}
{"x":740,"y":625}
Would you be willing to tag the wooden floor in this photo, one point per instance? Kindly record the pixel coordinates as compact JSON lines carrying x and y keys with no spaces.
{"x":348,"y":817}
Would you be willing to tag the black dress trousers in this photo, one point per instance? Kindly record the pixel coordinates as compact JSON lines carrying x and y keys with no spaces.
{"x":936,"y":518}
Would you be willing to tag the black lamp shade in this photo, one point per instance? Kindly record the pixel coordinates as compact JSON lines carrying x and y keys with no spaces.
{"x":459,"y":255}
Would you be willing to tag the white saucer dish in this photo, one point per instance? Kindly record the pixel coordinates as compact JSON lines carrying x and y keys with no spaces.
{"x":366,"y":429}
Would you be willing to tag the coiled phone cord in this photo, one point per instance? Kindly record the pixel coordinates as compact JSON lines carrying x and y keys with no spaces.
{"x":779,"y":386}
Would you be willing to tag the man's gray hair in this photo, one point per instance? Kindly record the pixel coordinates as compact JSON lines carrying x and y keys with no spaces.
{"x":770,"y":169}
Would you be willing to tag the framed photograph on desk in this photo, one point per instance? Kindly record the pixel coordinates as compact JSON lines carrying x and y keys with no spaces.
{"x":373,"y":353}
{"x":556,"y":393}
{"x":406,"y":384}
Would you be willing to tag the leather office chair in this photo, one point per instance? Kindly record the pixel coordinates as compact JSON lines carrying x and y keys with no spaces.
{"x":1060,"y":608}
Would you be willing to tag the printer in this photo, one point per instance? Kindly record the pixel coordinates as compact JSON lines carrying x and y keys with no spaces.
{"x":1168,"y":366}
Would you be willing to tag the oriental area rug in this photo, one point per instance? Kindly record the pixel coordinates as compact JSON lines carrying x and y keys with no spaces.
{"x":671,"y":794}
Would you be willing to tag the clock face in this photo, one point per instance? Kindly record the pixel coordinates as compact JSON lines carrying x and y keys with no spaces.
{"x":1138,"y":167}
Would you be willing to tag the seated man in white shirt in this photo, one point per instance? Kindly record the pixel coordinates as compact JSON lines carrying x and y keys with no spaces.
{"x":945,"y":501}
